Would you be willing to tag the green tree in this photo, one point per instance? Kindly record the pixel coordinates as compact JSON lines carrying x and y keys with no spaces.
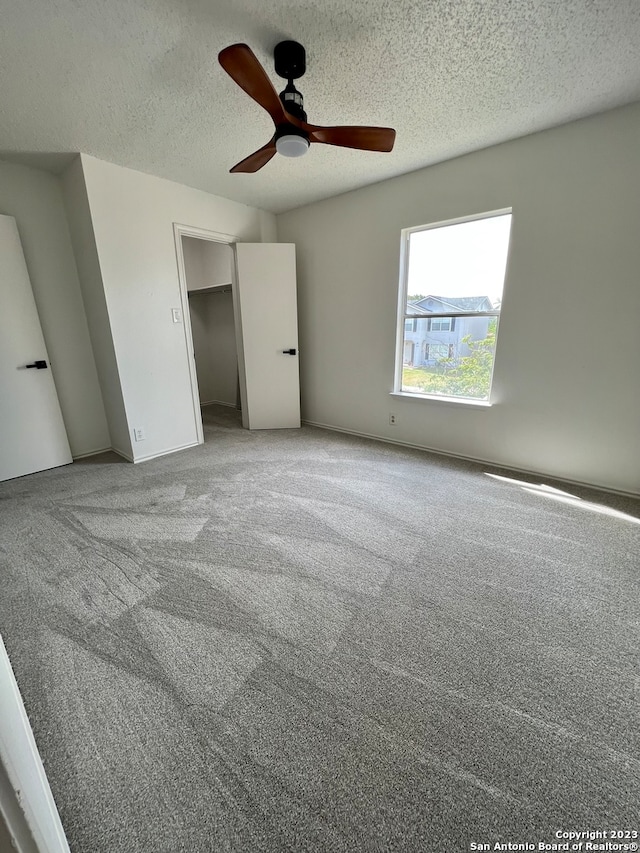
{"x":469,"y":376}
{"x":472,"y":376}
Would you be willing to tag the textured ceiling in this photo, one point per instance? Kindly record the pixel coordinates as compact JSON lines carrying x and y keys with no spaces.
{"x":137,"y":82}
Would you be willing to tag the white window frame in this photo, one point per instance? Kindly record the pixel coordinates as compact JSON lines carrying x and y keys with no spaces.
{"x":403,"y":315}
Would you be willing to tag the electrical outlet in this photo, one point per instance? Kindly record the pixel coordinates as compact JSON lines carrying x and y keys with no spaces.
{"x":393,"y":420}
{"x":138,"y":434}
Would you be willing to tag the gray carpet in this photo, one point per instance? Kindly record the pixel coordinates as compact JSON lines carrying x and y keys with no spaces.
{"x":302,"y":641}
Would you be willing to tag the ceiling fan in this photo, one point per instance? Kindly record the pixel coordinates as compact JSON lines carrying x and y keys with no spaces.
{"x":293,"y":134}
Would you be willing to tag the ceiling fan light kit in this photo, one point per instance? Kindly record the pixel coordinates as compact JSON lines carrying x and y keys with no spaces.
{"x":293,"y":134}
{"x":292,"y":145}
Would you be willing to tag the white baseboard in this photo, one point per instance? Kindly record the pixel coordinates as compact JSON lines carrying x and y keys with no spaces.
{"x":124,"y":454}
{"x":136,"y":459}
{"x":92,"y":453}
{"x":162,"y":453}
{"x":26,"y":801}
{"x":219,"y":403}
{"x":475,"y":459}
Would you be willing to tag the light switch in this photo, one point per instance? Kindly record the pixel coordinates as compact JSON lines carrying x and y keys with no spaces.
{"x":176,"y":314}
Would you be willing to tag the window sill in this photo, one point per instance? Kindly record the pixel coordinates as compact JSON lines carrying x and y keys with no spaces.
{"x":453,"y":401}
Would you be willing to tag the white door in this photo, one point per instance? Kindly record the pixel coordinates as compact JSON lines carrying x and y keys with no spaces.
{"x":32,"y":433}
{"x":266,"y":315}
{"x":26,"y":801}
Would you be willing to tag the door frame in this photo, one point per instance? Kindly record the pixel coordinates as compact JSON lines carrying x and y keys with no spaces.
{"x":180,"y":231}
{"x":27,"y":807}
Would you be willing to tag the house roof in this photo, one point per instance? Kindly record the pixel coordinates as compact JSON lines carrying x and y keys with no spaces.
{"x":451,"y":303}
{"x":416,"y":308}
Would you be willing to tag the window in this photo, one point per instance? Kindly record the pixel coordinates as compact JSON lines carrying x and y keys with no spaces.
{"x":441,"y":324}
{"x":450,"y":300}
{"x":436,"y":352}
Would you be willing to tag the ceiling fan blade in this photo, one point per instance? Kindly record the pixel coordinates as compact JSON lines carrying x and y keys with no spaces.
{"x":365,"y":138}
{"x":242,"y":65}
{"x":258,"y":159}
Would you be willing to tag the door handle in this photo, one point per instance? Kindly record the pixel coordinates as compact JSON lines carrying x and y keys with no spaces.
{"x":41,"y":364}
{"x":288,"y":352}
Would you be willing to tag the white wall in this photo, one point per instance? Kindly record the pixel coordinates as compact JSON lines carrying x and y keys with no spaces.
{"x":566,"y":389}
{"x":35,"y":199}
{"x":217,"y":263}
{"x":214,"y":343}
{"x":206,"y":263}
{"x":84,"y":245}
{"x":193,"y":262}
{"x":133,"y":216}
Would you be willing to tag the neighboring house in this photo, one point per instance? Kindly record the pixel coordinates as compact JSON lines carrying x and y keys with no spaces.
{"x":428,"y":340}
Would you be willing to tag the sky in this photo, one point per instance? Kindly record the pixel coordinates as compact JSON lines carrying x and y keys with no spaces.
{"x":465,"y":259}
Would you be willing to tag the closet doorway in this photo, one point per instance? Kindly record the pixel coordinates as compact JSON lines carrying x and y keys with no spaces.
{"x":256,"y":335}
{"x":208,"y":275}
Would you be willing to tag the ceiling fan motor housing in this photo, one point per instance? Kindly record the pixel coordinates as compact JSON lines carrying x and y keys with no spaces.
{"x":291,"y":63}
{"x":293,"y":102}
